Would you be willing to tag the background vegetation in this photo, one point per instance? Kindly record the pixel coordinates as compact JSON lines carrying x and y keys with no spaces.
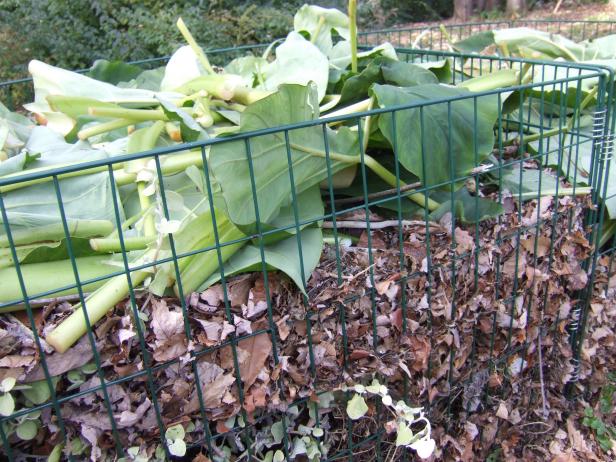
{"x":74,"y":33}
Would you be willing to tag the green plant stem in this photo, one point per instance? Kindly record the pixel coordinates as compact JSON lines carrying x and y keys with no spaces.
{"x":104,"y":128}
{"x":97,"y":305}
{"x":313,"y":39}
{"x":195,"y":47}
{"x":136,"y":115}
{"x":420,"y":199}
{"x":348,"y":110}
{"x":446,"y":35}
{"x":247,"y":96}
{"x":367,"y":122}
{"x":149,"y":228}
{"x":112,"y":245}
{"x":376,"y":167}
{"x":353,"y":33}
{"x":219,"y":86}
{"x":204,"y":116}
{"x":537,"y":136}
{"x":585,"y":102}
{"x":201,"y":266}
{"x":173,"y":163}
{"x":126,"y":224}
{"x":55,"y":232}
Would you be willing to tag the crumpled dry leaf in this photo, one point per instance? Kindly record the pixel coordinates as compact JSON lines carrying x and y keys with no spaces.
{"x":168,"y":327}
{"x":59,"y":363}
{"x":258,"y":348}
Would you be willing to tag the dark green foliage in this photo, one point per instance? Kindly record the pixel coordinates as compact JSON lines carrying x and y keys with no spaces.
{"x":600,"y":420}
{"x":72,"y":34}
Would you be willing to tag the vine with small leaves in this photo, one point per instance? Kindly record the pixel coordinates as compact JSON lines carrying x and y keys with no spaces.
{"x":405,"y":417}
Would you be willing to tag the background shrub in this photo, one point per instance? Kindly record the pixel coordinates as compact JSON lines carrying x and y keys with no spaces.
{"x":74,"y":33}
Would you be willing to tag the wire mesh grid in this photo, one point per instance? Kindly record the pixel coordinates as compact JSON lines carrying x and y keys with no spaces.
{"x":414,"y":277}
{"x":440,"y":37}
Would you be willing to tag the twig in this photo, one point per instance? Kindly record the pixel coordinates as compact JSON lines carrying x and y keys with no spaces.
{"x":377,"y":195}
{"x":377,"y":224}
{"x":544,"y":409}
{"x":47,"y":301}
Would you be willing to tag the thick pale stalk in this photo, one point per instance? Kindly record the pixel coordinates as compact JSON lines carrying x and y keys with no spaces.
{"x":203,"y":265}
{"x":55,"y":232}
{"x":43,"y":277}
{"x":135,"y":115}
{"x":111,"y":245}
{"x":195,"y":46}
{"x":171,"y":164}
{"x":97,"y":305}
{"x":353,"y":33}
{"x":500,"y":79}
{"x":104,"y":128}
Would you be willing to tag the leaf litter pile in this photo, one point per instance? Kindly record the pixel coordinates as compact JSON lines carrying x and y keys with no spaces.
{"x":462,"y":304}
{"x":488,"y":405}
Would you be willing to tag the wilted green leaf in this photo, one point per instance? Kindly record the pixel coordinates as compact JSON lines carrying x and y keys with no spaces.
{"x":175,"y":432}
{"x":7,"y":384}
{"x":27,"y":430}
{"x":177,"y":448}
{"x":39,"y":391}
{"x":7,"y":404}
{"x":277,"y":429}
{"x":405,"y":435}
{"x":356,"y":407}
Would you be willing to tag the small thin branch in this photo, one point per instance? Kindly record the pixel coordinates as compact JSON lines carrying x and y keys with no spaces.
{"x":544,"y":409}
{"x":377,"y":195}
{"x":377,"y":224}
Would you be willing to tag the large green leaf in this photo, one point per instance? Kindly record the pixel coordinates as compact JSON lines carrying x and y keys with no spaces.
{"x":283,"y":256}
{"x":384,"y":70}
{"x":292,"y":103}
{"x":113,"y":72}
{"x":309,"y":206}
{"x":449,"y":130}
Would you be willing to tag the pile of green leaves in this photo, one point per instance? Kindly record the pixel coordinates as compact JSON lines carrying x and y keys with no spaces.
{"x":207,"y":205}
{"x":533,"y":44}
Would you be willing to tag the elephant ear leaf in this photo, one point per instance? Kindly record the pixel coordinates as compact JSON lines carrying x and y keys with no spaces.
{"x":270,"y":154}
{"x":460,"y":130}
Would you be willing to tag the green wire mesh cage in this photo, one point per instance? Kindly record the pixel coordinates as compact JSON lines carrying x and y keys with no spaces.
{"x":440,"y":282}
{"x":440,"y":37}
